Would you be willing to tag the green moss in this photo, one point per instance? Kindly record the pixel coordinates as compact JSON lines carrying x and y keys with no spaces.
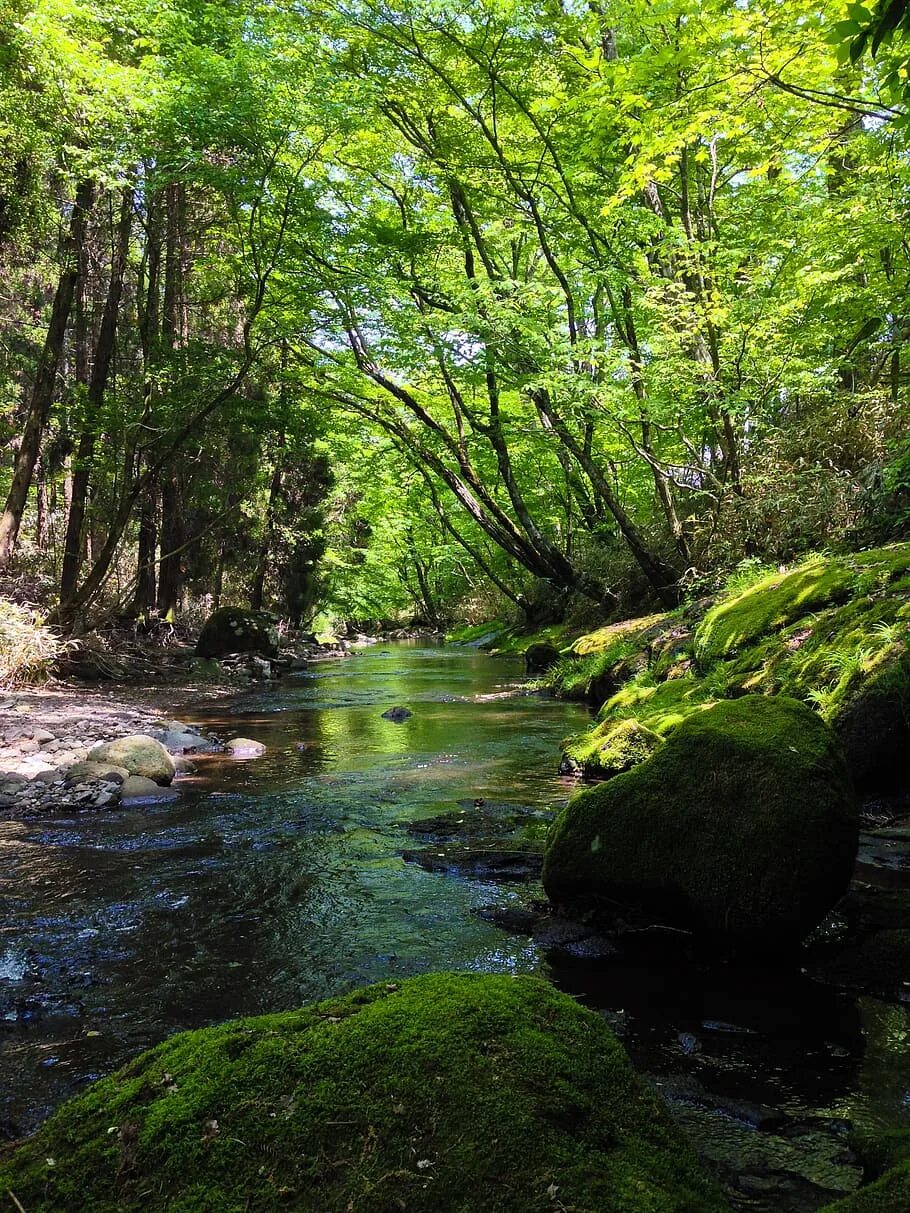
{"x":607,"y":636}
{"x":742,"y":827}
{"x":833,"y":633}
{"x":890,"y":1194}
{"x":516,"y":640}
{"x":781,"y":599}
{"x":595,"y":674}
{"x":617,"y":748}
{"x":449,"y":1093}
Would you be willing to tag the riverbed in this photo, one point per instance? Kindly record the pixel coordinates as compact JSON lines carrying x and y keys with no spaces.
{"x":282,"y":879}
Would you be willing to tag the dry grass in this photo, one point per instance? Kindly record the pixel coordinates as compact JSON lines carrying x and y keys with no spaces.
{"x":28,"y":648}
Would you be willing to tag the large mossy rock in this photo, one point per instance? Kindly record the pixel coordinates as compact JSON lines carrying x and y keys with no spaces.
{"x":234,"y":630}
{"x":742,"y":827}
{"x":138,"y":755}
{"x":451,"y":1093}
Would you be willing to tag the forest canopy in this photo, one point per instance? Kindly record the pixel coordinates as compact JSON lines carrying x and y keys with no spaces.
{"x":444,"y":309}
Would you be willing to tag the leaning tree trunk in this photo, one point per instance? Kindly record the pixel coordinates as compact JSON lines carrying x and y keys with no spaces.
{"x":42,"y":395}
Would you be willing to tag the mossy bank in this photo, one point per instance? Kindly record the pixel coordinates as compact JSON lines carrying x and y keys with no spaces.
{"x":448,"y":1093}
{"x":832,"y":632}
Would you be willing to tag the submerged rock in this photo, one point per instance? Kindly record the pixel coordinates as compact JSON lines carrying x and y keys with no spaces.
{"x":137,"y":754}
{"x":136,"y":788}
{"x":742,"y":828}
{"x":446,"y":1093}
{"x":234,"y":630}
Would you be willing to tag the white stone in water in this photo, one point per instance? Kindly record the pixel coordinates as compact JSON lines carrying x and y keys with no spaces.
{"x":244,"y":747}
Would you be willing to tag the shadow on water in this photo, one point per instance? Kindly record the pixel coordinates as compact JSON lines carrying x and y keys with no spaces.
{"x":277,"y":881}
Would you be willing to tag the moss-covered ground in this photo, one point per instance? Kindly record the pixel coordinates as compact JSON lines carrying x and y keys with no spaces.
{"x":833,"y":632}
{"x":448,"y":1092}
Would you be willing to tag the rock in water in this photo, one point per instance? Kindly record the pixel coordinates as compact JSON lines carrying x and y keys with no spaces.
{"x":137,"y":788}
{"x":624,"y":746}
{"x":742,"y":827}
{"x":540,"y":657}
{"x":137,"y":754}
{"x":397,"y":714}
{"x":233,"y":630}
{"x":244,"y":747}
{"x":447,"y":1093}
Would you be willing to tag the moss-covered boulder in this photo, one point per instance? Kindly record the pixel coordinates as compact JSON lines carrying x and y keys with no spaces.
{"x":447,"y":1093}
{"x":137,"y":755}
{"x":234,"y":630}
{"x":613,"y":748}
{"x":742,"y":827}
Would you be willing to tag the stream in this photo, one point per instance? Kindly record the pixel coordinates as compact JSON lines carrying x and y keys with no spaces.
{"x":281,"y":880}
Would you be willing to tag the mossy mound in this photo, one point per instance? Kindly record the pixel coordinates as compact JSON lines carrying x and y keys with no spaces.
{"x":611,"y":749}
{"x":234,"y":630}
{"x":447,"y":1094}
{"x":742,"y":827}
{"x":781,"y":599}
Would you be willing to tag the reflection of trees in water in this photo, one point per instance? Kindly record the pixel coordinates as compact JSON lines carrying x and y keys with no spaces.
{"x":882,"y":1098}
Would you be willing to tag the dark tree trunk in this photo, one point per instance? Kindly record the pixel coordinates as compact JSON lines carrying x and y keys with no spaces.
{"x":262,"y":561}
{"x":42,"y":395}
{"x":101,"y":368}
{"x":144,"y":600}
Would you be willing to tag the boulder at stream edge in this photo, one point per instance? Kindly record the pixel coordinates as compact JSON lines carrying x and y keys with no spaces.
{"x":138,"y":755}
{"x":448,"y":1093}
{"x":235,"y":630}
{"x":742,"y":828}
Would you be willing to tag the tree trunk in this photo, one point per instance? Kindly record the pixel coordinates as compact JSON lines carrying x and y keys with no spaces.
{"x":42,"y":395}
{"x":144,"y":600}
{"x":258,"y":588}
{"x":170,"y":568}
{"x":101,"y":367}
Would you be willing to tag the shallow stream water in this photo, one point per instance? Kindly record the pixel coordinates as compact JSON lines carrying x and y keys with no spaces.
{"x":280,"y":880}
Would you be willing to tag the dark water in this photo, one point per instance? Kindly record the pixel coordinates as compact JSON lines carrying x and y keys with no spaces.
{"x":277,"y":881}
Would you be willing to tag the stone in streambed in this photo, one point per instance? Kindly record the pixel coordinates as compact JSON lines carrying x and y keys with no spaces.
{"x":78,"y":771}
{"x":139,"y":755}
{"x":742,"y":828}
{"x":397,"y":714}
{"x":441,"y":1094}
{"x":244,"y":747}
{"x":188,"y":743}
{"x":540,"y":657}
{"x":138,"y":788}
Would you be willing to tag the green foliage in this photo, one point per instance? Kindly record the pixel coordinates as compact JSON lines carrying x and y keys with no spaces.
{"x":425,"y":1093}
